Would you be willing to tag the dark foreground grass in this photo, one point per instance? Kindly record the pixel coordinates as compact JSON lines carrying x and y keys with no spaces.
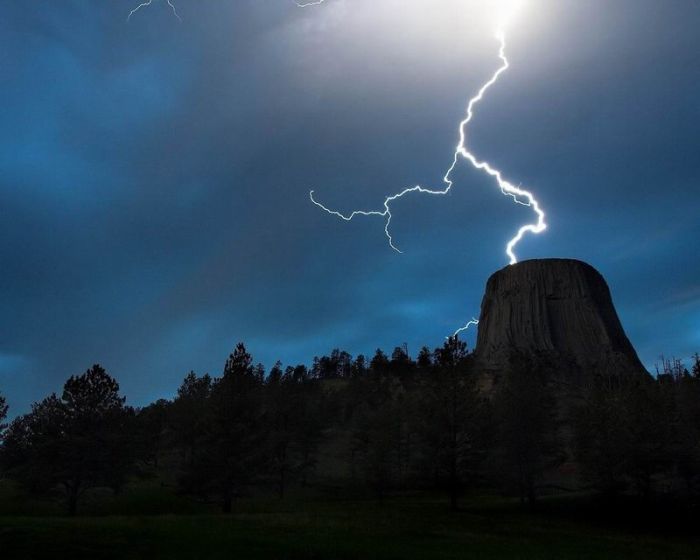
{"x":406,"y":528}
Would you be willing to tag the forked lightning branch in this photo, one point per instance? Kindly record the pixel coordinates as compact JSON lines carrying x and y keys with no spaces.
{"x":518,"y":194}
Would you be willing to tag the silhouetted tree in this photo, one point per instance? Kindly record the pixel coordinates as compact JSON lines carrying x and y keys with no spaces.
{"x":405,"y":423}
{"x":310,"y":415}
{"x":671,"y":370}
{"x":452,"y":418}
{"x":425,"y":358}
{"x":359,"y":366}
{"x":295,"y":427}
{"x":687,"y":430}
{"x":527,"y":440}
{"x":79,"y":441}
{"x":373,"y":445}
{"x":601,"y":440}
{"x":379,"y":364}
{"x":338,"y":364}
{"x":696,"y":366}
{"x":669,"y":411}
{"x":100,"y":449}
{"x":383,"y":439}
{"x":32,"y":444}
{"x":189,"y":416}
{"x":233,"y":446}
{"x":3,"y":414}
{"x":624,"y":433}
{"x":152,"y":427}
{"x":401,"y":364}
{"x":652,"y":418}
{"x":282,"y":400}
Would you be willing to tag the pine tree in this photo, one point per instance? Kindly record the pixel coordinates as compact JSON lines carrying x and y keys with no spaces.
{"x":78,"y":441}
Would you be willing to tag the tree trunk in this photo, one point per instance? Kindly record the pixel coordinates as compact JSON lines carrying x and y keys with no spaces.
{"x":304,"y":482}
{"x":531,"y":497}
{"x":454,"y":485}
{"x":352,"y":465}
{"x":282,"y":483}
{"x":454,"y":476}
{"x":227,"y":504}
{"x":454,"y":505}
{"x":72,"y":501}
{"x":531,"y":490}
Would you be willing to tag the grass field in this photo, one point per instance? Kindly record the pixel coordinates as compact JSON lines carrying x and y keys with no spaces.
{"x":401,"y":528}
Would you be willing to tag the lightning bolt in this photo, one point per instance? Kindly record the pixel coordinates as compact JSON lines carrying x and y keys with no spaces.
{"x":310,"y":3}
{"x":472,"y":323}
{"x":148,"y":3}
{"x":519,"y":195}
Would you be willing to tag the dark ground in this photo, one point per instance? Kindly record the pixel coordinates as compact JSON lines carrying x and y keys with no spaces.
{"x":304,"y":528}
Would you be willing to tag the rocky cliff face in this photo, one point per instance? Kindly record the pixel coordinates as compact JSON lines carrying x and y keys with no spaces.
{"x":559,"y":307}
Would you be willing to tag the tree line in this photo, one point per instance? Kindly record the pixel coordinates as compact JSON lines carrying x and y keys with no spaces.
{"x":388,"y":424}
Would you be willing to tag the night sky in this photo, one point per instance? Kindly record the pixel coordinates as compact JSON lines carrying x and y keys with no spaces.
{"x":154,"y":176}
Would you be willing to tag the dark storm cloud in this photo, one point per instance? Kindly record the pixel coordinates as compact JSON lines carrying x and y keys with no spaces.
{"x":154,"y":177}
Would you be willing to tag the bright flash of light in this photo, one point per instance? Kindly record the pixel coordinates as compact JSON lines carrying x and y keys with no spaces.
{"x":505,"y":11}
{"x":519,"y":195}
{"x":148,"y":3}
